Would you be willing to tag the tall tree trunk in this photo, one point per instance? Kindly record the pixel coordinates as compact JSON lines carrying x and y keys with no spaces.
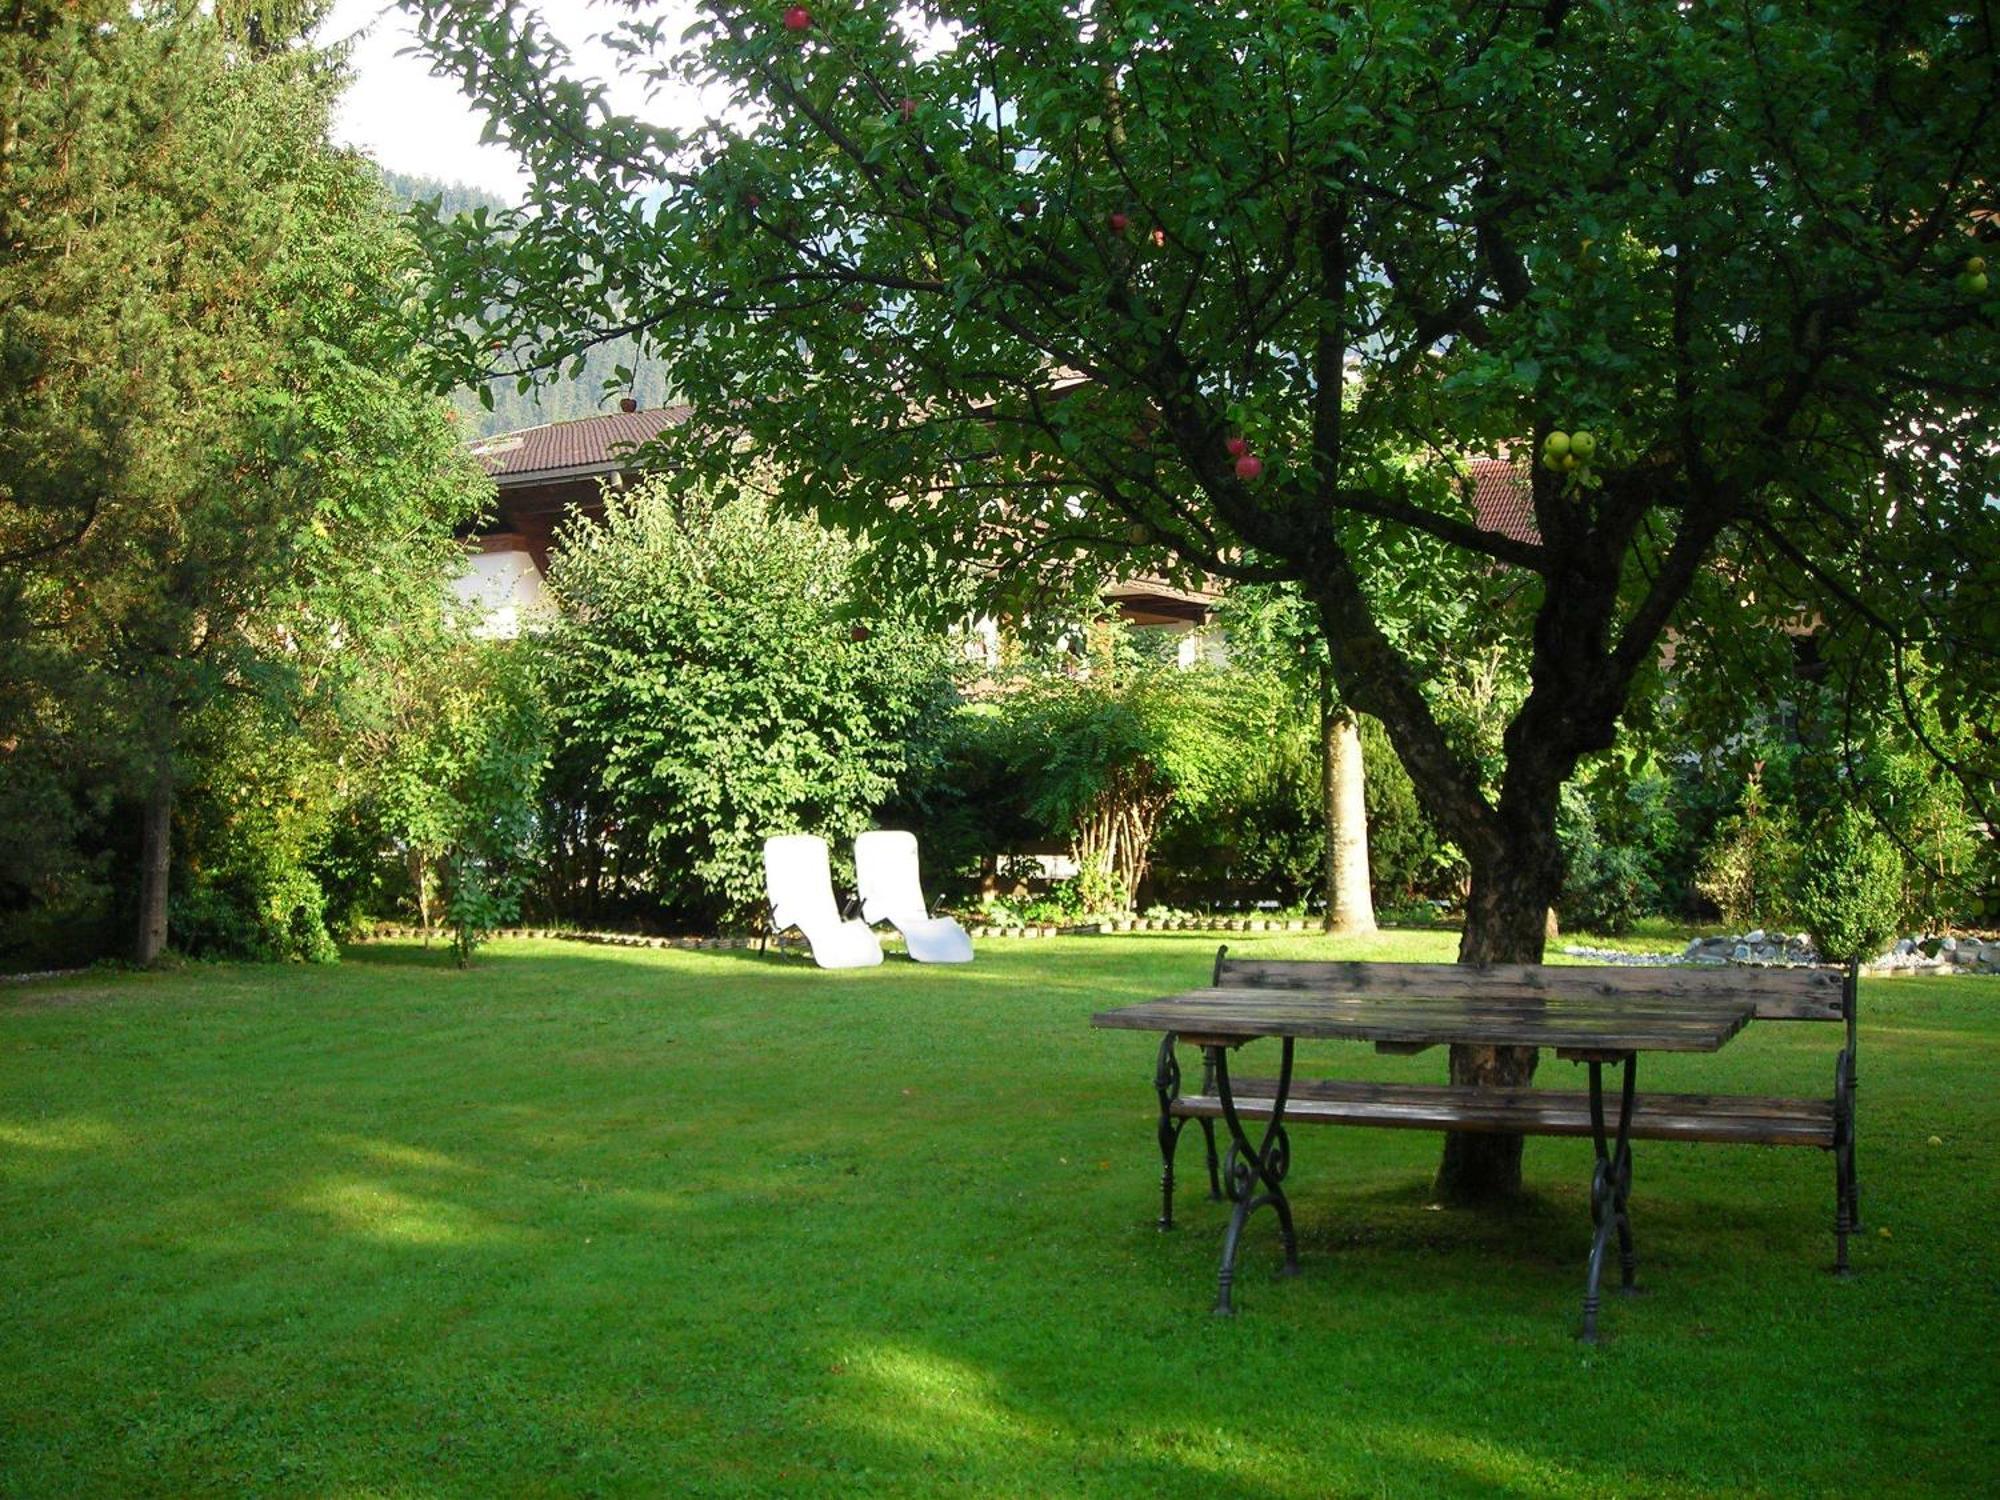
{"x":1350,"y":905}
{"x":1506,"y":922}
{"x":156,"y":850}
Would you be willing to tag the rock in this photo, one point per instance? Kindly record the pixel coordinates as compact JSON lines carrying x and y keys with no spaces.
{"x":1753,"y":938}
{"x":1740,"y":953}
{"x":1693,"y":949}
{"x":1904,"y":946}
{"x":1947,"y":945}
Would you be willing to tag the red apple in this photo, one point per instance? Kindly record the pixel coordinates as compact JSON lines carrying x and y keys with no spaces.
{"x":1118,"y":221}
{"x":797,"y":18}
{"x":752,"y":202}
{"x":1249,"y":466}
{"x":1236,"y":446}
{"x":907,"y":109}
{"x":1160,"y":238}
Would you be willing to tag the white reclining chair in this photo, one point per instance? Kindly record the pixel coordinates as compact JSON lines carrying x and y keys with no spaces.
{"x":885,"y":875}
{"x":798,"y":879}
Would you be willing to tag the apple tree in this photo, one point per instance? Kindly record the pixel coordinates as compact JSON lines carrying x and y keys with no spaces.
{"x":1033,"y":289}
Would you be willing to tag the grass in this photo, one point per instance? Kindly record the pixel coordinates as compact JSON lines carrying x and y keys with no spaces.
{"x":603,"y":1221}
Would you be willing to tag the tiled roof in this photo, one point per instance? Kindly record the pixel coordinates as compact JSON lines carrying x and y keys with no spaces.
{"x":1501,"y":501}
{"x":1500,"y":498}
{"x":588,"y":443}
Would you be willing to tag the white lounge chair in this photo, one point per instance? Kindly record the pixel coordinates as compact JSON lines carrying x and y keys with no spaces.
{"x":885,"y":874}
{"x":798,"y":879}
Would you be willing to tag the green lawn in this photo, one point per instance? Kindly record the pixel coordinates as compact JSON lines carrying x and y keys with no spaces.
{"x":590,"y":1221}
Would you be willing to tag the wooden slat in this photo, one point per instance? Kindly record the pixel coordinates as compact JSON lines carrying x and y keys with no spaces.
{"x":1748,"y":1120}
{"x":1803,"y":994}
{"x":1573,"y":1024}
{"x":1236,"y":1003}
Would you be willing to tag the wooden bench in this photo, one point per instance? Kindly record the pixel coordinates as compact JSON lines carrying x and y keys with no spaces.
{"x":1825,"y":1122}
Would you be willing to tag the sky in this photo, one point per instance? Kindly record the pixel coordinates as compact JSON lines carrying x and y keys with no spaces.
{"x":410,"y":121}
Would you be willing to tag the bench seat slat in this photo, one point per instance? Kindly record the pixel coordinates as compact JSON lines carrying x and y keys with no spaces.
{"x":1400,"y":1106}
{"x":1779,"y":993}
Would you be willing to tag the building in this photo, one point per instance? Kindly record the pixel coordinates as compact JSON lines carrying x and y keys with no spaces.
{"x":544,"y":476}
{"x":547,"y":475}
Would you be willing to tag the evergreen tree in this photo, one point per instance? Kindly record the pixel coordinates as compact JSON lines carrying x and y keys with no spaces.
{"x":214,"y":481}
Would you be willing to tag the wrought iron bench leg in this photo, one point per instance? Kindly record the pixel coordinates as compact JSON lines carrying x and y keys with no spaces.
{"x":1167,"y":1084}
{"x":1248,"y":1167}
{"x":1610,"y":1184}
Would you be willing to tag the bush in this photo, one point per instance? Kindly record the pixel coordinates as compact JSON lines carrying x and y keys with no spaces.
{"x":1750,"y":869}
{"x":962,"y":800}
{"x":457,"y":786}
{"x":1849,"y":893}
{"x":1409,"y":861}
{"x":261,"y":798}
{"x":712,"y":671}
{"x":1608,"y":885}
{"x":1107,"y":752}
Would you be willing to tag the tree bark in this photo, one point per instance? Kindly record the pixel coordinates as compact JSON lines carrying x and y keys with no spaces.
{"x":155,"y":863}
{"x":1506,"y":922}
{"x":1350,"y":905}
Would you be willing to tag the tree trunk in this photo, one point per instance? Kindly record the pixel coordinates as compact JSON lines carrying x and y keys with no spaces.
{"x":1350,"y":906}
{"x":156,"y":850}
{"x":1506,"y":922}
{"x":420,"y":881}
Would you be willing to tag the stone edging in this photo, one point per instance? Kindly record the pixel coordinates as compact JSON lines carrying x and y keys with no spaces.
{"x":1759,"y":949}
{"x":1221,"y":925}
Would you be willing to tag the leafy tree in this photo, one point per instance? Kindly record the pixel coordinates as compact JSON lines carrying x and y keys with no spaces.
{"x":1109,"y":744}
{"x":458,"y":766}
{"x":1277,"y":626}
{"x":1005,"y":285}
{"x":215,"y":479}
{"x":712,"y":665}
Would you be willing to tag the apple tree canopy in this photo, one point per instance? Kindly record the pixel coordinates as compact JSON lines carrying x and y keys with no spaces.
{"x":1000,"y":284}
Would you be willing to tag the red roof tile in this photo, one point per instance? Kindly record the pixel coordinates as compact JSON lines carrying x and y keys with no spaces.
{"x":601,"y":444}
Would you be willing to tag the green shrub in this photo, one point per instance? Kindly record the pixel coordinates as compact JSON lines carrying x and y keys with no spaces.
{"x":712,"y":671}
{"x":457,"y":785}
{"x":1409,"y":861}
{"x":1608,"y":885}
{"x":1750,"y":869}
{"x":1849,"y":892}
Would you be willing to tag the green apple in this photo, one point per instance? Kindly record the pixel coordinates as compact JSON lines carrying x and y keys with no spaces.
{"x":1973,"y":282}
{"x":1570,"y":463}
{"x":1556,"y":444}
{"x":1974,"y":264}
{"x":1582,"y":444}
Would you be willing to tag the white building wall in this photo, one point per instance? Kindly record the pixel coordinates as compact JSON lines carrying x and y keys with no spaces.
{"x":507,"y":592}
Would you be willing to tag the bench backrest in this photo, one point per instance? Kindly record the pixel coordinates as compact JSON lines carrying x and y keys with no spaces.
{"x":1799,"y":994}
